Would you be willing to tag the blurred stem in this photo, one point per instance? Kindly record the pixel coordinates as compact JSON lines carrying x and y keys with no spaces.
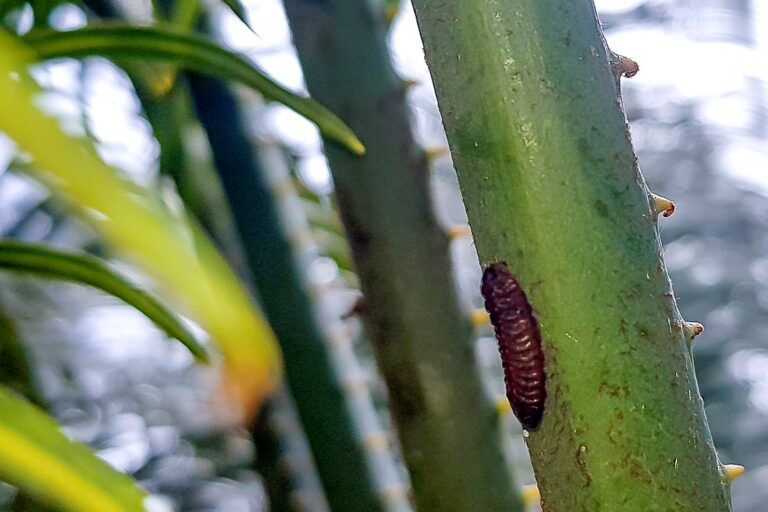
{"x":16,"y":374}
{"x":332,"y":434}
{"x":448,"y":430}
{"x":15,"y":369}
{"x":552,"y":186}
{"x":284,"y":460}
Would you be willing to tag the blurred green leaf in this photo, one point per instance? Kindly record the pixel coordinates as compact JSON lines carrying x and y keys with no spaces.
{"x":84,"y":268}
{"x":135,"y":222}
{"x":38,"y":458}
{"x":191,"y":52}
{"x":237,"y":7}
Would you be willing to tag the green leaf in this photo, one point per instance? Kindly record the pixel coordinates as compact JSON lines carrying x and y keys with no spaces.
{"x":191,"y":52}
{"x":83,"y":268}
{"x":38,"y":458}
{"x":238,"y":9}
{"x":135,"y":223}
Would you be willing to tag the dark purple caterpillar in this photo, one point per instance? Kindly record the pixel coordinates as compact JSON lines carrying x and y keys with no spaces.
{"x":519,"y":343}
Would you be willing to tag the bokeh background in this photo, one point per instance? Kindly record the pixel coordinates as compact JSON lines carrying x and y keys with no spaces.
{"x":698,"y":110}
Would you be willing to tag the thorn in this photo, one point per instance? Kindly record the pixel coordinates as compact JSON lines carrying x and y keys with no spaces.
{"x":480,"y":317}
{"x":732,"y":472}
{"x":355,"y":383}
{"x":357,"y":309}
{"x":409,"y":83}
{"x":376,"y":441}
{"x":435,"y":153}
{"x":502,"y":406}
{"x":662,"y":205}
{"x":691,"y":330}
{"x":460,"y":231}
{"x":530,"y":494}
{"x":623,"y":66}
{"x":390,"y":13}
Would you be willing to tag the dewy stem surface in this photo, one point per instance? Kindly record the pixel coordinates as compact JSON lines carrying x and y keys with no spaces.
{"x":552,"y":187}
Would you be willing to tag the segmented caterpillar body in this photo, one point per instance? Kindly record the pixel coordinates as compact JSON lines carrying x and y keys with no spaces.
{"x":517,"y":332}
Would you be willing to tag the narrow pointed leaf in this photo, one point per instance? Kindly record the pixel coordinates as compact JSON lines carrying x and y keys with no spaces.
{"x":39,"y":459}
{"x":191,"y":52}
{"x":133,"y":220}
{"x":238,"y":9}
{"x":83,"y":268}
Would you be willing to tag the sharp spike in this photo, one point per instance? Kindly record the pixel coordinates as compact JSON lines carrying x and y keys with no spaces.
{"x":530,"y":495}
{"x":357,"y":309}
{"x":623,"y":66}
{"x":662,"y":205}
{"x":480,"y":318}
{"x":435,"y":153}
{"x":502,"y":406}
{"x":390,"y":12}
{"x":409,"y":83}
{"x":732,"y":471}
{"x":691,"y":330}
{"x":460,"y":231}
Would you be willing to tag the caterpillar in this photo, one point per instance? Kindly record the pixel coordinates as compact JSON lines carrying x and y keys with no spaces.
{"x":517,"y":332}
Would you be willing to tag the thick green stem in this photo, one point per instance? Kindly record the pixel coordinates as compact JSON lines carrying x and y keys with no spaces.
{"x":552,"y":187}
{"x":311,"y":375}
{"x":423,"y":341}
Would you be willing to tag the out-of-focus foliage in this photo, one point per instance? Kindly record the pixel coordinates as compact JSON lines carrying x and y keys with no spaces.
{"x":191,"y":52}
{"x":85,"y":269}
{"x":38,"y":458}
{"x":136,"y":223}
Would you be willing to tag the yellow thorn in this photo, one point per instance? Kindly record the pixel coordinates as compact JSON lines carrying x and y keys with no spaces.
{"x":409,"y":83}
{"x":355,"y":383}
{"x":623,"y":66}
{"x":502,"y":406}
{"x":376,"y":441}
{"x":435,"y":153}
{"x":732,"y":471}
{"x":390,"y":12}
{"x":691,"y":330}
{"x":460,"y":231}
{"x":530,"y":494}
{"x":480,"y":317}
{"x":662,"y":205}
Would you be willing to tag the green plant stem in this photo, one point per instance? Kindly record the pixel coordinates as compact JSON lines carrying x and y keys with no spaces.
{"x":320,"y":399}
{"x":552,"y":187}
{"x":284,"y":460}
{"x":15,"y":370}
{"x":422,"y":339}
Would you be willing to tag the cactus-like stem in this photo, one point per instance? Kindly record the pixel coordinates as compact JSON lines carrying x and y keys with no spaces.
{"x":551,"y":185}
{"x":423,"y":342}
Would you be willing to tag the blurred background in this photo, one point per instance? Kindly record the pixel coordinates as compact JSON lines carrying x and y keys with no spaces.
{"x":698,"y":110}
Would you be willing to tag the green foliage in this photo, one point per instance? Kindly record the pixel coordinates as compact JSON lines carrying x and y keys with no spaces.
{"x":237,"y":8}
{"x":38,"y":458}
{"x":137,"y":224}
{"x":85,"y":269}
{"x":190,"y":52}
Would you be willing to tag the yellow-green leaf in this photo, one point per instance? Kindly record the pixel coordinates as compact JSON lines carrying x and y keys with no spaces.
{"x":36,"y":457}
{"x":133,"y":221}
{"x":189,"y":51}
{"x":85,"y":269}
